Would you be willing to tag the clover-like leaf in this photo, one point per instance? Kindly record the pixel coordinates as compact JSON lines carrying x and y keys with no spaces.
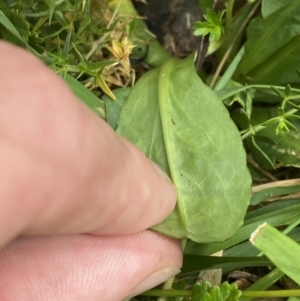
{"x":213,"y":26}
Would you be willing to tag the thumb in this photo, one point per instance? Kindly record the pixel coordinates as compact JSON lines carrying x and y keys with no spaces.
{"x":64,"y":167}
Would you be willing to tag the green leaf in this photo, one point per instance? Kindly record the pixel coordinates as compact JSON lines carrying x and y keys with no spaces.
{"x":276,"y":214}
{"x":237,"y":23}
{"x":221,"y":84}
{"x":182,"y":125}
{"x":205,"y":292}
{"x":271,"y":190}
{"x":51,"y":10}
{"x":281,"y":67}
{"x":114,"y":107}
{"x":85,"y":95}
{"x":199,"y":291}
{"x":286,"y":151}
{"x":179,"y":285}
{"x":206,"y":4}
{"x":213,"y":26}
{"x":282,"y":251}
{"x":11,"y":27}
{"x":263,"y":283}
{"x":192,"y":263}
{"x":293,"y":299}
{"x":267,"y":35}
{"x":269,"y":7}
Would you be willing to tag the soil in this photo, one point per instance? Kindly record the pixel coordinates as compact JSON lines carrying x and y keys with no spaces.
{"x":172,"y":23}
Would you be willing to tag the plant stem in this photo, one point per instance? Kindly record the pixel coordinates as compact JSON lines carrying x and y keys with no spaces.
{"x":228,"y":21}
{"x":168,"y":284}
{"x":275,"y":293}
{"x":254,"y":294}
{"x":227,"y":53}
{"x":255,"y":129}
{"x":258,"y":167}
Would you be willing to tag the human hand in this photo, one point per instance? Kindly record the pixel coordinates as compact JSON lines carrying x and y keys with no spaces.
{"x":64,"y":173}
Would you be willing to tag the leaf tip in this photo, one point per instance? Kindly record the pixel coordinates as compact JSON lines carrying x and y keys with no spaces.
{"x":255,"y":233}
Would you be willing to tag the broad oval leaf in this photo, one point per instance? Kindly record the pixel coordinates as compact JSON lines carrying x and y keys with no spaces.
{"x":181,"y":124}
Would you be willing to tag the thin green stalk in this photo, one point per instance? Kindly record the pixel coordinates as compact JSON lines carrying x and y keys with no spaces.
{"x":272,"y":294}
{"x":229,"y":10}
{"x":269,"y":86}
{"x":291,"y":227}
{"x":250,"y":294}
{"x":262,"y":283}
{"x":227,"y":53}
{"x":254,"y":130}
{"x":168,"y":284}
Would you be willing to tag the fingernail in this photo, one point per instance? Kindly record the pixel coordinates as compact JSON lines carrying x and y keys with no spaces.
{"x":160,"y":171}
{"x":154,"y":280}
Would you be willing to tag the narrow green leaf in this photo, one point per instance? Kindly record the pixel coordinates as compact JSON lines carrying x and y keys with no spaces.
{"x":230,"y":71}
{"x":238,"y":20}
{"x":267,"y":35}
{"x":263,"y":283}
{"x":281,"y":67}
{"x":192,"y":263}
{"x":272,"y":190}
{"x":246,"y":249}
{"x":10,"y":27}
{"x":282,"y":251}
{"x":287,"y":90}
{"x":85,"y":95}
{"x":51,"y":10}
{"x":66,"y":49}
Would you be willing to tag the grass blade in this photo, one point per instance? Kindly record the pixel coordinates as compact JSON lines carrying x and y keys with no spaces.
{"x":280,"y":249}
{"x":10,"y":27}
{"x":84,"y":94}
{"x":230,"y":71}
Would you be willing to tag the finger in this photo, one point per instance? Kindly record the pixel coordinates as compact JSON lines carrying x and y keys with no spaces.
{"x":85,"y":267}
{"x":63,"y":169}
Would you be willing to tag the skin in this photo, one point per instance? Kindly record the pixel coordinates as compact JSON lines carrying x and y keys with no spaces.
{"x":75,"y":198}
